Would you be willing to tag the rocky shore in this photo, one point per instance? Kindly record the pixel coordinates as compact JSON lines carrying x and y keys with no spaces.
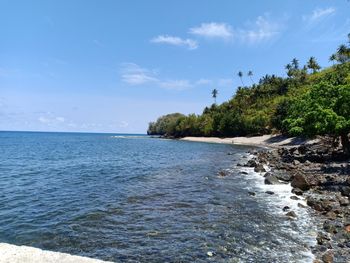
{"x":320,"y":173}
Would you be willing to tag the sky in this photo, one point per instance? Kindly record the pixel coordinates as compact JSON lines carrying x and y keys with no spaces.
{"x":114,"y":66}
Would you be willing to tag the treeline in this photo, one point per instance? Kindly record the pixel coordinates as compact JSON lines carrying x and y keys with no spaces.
{"x":307,"y":102}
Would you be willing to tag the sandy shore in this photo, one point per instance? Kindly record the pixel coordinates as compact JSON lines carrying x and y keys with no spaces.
{"x":273,"y":141}
{"x":20,"y":254}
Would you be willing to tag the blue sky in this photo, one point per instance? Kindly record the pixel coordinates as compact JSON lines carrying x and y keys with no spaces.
{"x":113,"y":66}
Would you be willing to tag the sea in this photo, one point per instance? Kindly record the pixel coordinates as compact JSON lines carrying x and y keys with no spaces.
{"x":134,"y":198}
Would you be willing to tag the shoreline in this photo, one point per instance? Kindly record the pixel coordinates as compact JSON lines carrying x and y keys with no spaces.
{"x":269,"y":141}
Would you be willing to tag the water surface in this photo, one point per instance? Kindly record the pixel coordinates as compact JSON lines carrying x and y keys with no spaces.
{"x":139,"y":199}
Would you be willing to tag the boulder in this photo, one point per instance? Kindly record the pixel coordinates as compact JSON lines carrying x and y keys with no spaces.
{"x":251,"y":193}
{"x":286,"y":208}
{"x":300,"y":181}
{"x":291,"y":214}
{"x":270,"y":179}
{"x":259,"y":168}
{"x":297,"y":191}
{"x":283,"y":176}
{"x":328,"y":257}
{"x":269,"y":192}
{"x":293,"y":197}
{"x":251,"y":163}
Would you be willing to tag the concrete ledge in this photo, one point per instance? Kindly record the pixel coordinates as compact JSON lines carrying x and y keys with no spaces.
{"x":20,"y":254}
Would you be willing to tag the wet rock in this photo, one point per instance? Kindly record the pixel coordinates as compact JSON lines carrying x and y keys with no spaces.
{"x":259,"y":168}
{"x":251,"y":163}
{"x":271,"y":180}
{"x":300,"y":181}
{"x":328,"y":257}
{"x":269,"y":192}
{"x":322,"y":238}
{"x":286,"y":208}
{"x":347,"y":228}
{"x":243,"y":172}
{"x":345,"y":190}
{"x":210,"y":253}
{"x":223,"y":173}
{"x":268,"y":174}
{"x":297,"y":191}
{"x":293,"y":197}
{"x":301,"y":205}
{"x":283,"y":176}
{"x":291,"y":214}
{"x":332,"y":226}
{"x":296,"y":162}
{"x":251,"y":193}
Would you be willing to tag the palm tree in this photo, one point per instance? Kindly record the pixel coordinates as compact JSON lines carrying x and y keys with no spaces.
{"x":295,"y":63}
{"x":333,"y":58}
{"x":313,"y":65}
{"x":250,"y":74}
{"x":289,"y":69}
{"x":214,"y":94}
{"x":240,"y":75}
{"x":343,"y":53}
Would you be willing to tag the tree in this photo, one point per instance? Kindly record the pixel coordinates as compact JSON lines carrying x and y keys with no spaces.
{"x":240,"y":75}
{"x":214,"y":94}
{"x":313,"y":65}
{"x":250,"y":75}
{"x":333,"y":58}
{"x":295,"y":63}
{"x":289,"y":69}
{"x":343,"y":54}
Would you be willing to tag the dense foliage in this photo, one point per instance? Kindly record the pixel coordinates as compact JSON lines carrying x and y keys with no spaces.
{"x":307,"y":102}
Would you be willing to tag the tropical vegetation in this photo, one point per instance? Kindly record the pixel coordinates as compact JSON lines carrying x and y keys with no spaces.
{"x":307,"y":102}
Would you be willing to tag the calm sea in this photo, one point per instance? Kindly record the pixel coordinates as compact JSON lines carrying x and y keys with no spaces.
{"x":128,"y":198}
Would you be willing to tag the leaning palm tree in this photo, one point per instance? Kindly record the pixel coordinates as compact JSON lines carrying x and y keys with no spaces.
{"x":214,"y":94}
{"x":295,"y":63}
{"x":313,"y":65}
{"x":250,"y":75}
{"x":240,"y":75}
{"x":343,"y":53}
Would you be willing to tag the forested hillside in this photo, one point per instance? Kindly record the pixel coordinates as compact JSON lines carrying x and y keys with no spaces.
{"x":307,"y":102}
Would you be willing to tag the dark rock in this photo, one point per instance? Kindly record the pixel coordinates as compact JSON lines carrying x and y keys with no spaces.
{"x":243,"y":172}
{"x":251,"y":193}
{"x":223,"y":173}
{"x":299,"y":181}
{"x":270,"y":192}
{"x":239,"y":164}
{"x":286,"y":208}
{"x":291,"y":214}
{"x":251,"y":163}
{"x":322,"y":238}
{"x":345,"y":190}
{"x":343,"y":201}
{"x":259,"y":168}
{"x":332,"y":226}
{"x":297,"y":191}
{"x":293,"y":197}
{"x":296,"y":162}
{"x":271,"y":180}
{"x":268,"y":174}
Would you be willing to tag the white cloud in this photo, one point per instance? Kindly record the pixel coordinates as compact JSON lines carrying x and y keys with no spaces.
{"x":212,"y":30}
{"x":133,"y":74}
{"x":175,"y":41}
{"x":176,"y":84}
{"x":262,"y":29}
{"x":123,"y":124}
{"x":203,"y":82}
{"x":318,"y":14}
{"x":51,"y":120}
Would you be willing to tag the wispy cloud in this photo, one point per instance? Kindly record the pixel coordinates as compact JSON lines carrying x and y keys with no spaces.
{"x":134,"y":75}
{"x":319,"y":14}
{"x":175,"y":41}
{"x":51,"y":120}
{"x":262,"y":29}
{"x":212,"y":30}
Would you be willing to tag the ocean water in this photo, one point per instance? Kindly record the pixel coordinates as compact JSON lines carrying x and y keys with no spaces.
{"x":138,"y":199}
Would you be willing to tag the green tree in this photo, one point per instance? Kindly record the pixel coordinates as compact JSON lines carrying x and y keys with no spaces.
{"x":313,"y":65}
{"x":250,"y":75}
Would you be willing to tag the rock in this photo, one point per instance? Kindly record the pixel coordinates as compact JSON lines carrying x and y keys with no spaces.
{"x":251,"y":163}
{"x":283,"y":176}
{"x":239,"y":164}
{"x":301,"y":205}
{"x":345,"y":190}
{"x":322,"y":238}
{"x":223,"y":173}
{"x":268,"y":174}
{"x":332,"y":226}
{"x":297,"y":191}
{"x":343,"y":201}
{"x":299,"y":181}
{"x":251,"y":193}
{"x":259,"y":168}
{"x":210,"y":253}
{"x":286,"y":208}
{"x":270,"y":192}
{"x":296,"y":162}
{"x":243,"y":172}
{"x":291,"y":214}
{"x":328,"y":257}
{"x":347,"y":228}
{"x":270,"y":179}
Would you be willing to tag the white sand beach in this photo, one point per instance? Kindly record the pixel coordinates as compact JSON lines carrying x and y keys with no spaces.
{"x":23,"y":254}
{"x":273,"y":141}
